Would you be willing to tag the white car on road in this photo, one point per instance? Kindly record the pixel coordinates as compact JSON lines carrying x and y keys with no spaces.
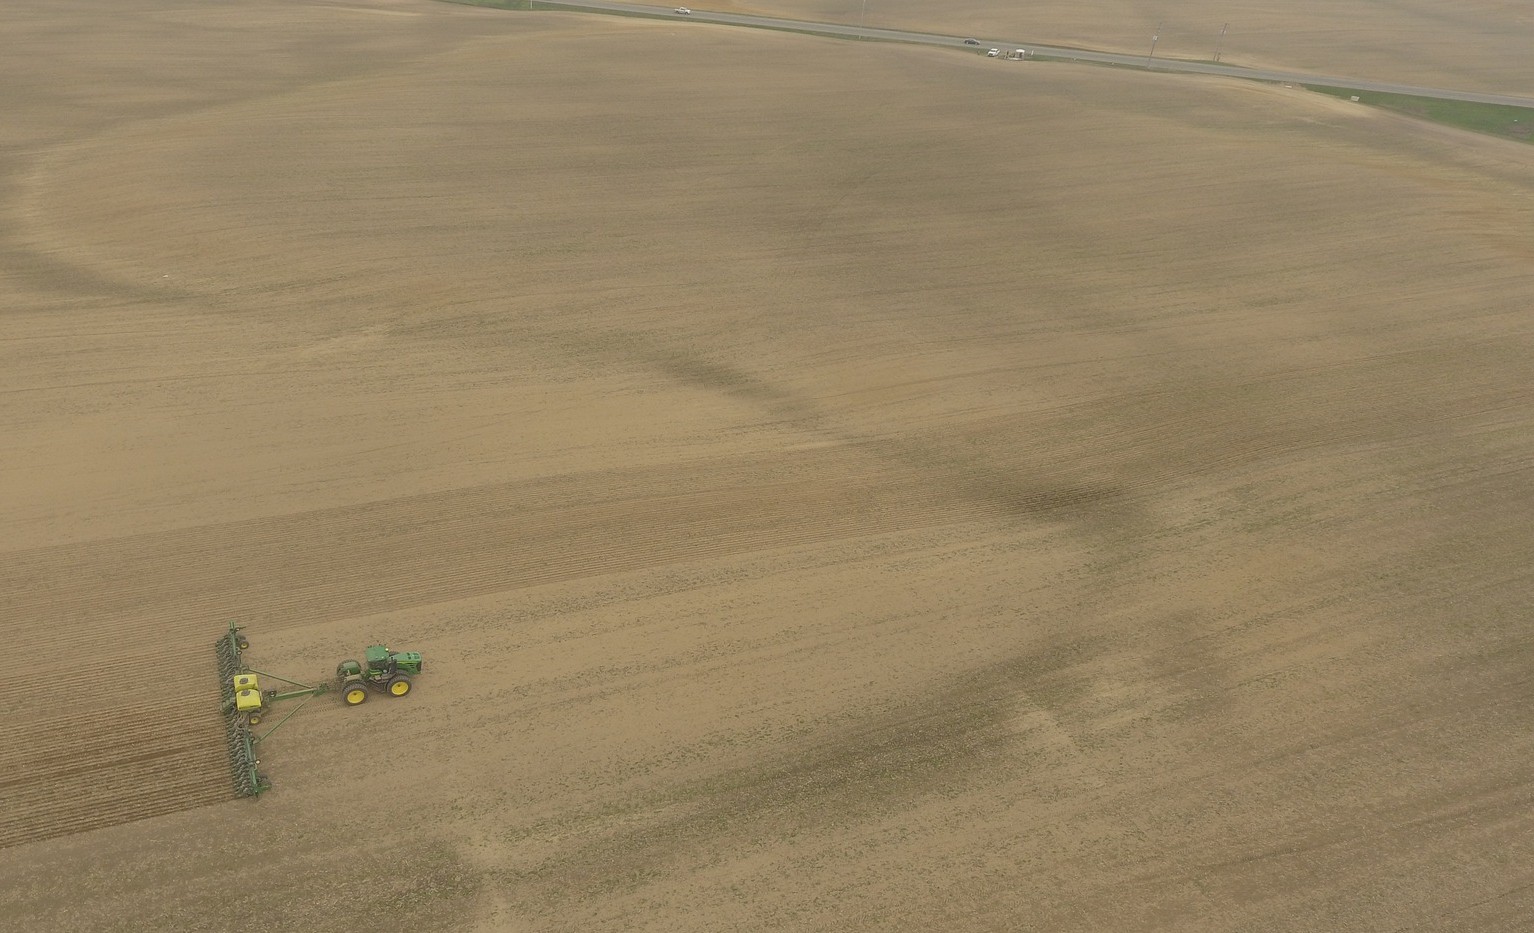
{"x":683,"y":11}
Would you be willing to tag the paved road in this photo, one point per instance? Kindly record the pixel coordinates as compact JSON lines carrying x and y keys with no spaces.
{"x":1107,"y":58}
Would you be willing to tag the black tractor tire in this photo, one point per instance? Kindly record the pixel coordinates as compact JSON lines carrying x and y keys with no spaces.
{"x":241,"y":642}
{"x":398,"y":685}
{"x":253,"y":718}
{"x":354,"y":693}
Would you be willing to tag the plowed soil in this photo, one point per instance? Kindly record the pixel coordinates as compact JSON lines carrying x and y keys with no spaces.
{"x":834,"y":485}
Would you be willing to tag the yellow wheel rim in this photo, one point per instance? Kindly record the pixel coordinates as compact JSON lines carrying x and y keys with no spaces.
{"x":356,"y":695}
{"x":399,"y":688}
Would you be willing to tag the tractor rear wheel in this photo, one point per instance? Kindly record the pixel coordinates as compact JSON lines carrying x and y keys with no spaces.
{"x":355,"y":693}
{"x":399,"y":685}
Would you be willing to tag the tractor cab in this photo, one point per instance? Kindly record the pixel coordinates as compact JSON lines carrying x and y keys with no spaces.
{"x":380,"y":662}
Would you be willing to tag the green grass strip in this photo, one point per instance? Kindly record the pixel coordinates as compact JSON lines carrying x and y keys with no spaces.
{"x":1493,"y":119}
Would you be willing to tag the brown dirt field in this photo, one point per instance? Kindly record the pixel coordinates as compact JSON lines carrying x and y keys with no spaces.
{"x":835,"y":486}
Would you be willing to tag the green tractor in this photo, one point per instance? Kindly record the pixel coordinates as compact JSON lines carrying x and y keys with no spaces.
{"x":385,"y":671}
{"x":245,"y":704}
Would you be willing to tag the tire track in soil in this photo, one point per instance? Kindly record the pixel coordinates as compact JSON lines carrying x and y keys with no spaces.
{"x":157,"y":602}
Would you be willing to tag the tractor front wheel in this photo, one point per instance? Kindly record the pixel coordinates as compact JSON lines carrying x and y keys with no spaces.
{"x":399,"y":686}
{"x":354,"y":693}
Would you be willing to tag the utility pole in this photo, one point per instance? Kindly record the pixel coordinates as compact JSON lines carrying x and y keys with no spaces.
{"x":1220,"y":41}
{"x":861,"y":13}
{"x":1153,"y":44}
